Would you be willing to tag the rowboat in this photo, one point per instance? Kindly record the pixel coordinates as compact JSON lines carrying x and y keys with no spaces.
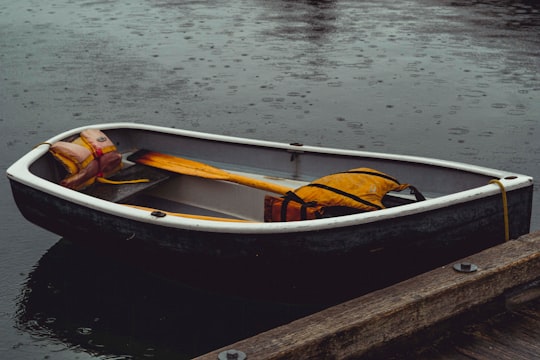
{"x":212,"y":210}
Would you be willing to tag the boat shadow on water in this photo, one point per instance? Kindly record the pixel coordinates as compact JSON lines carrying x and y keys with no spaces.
{"x":140,"y":302}
{"x":105,"y":305}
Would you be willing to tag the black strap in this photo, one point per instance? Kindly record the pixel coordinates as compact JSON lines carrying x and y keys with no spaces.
{"x":291,"y":196}
{"x":417,"y":194}
{"x":344,"y":193}
{"x":284,"y":206}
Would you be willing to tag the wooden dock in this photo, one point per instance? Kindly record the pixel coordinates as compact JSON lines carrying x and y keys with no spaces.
{"x":490,"y":313}
{"x":513,"y":334}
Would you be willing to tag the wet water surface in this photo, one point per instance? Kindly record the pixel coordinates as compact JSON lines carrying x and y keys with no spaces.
{"x":455,"y":80}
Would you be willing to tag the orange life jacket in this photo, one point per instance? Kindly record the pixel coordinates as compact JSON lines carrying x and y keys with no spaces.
{"x":349,"y":192}
{"x":90,"y":157}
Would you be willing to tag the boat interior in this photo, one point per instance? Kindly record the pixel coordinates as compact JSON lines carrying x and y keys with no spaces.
{"x":185,"y":194}
{"x":196,"y":196}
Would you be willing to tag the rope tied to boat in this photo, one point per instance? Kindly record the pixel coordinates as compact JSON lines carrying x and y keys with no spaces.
{"x":103,"y":180}
{"x":505,"y":208}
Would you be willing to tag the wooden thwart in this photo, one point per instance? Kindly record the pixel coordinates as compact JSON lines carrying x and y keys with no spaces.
{"x":119,"y":193}
{"x":351,"y":329}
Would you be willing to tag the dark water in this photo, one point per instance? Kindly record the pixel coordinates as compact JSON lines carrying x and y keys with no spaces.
{"x":454,"y":80}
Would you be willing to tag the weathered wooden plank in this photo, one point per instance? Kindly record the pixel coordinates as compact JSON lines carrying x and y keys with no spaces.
{"x":502,"y":338}
{"x":491,"y":333}
{"x":350,"y":329}
{"x":517,"y":336}
{"x":489,"y":350}
{"x":513,"y":346}
{"x":532,"y":313}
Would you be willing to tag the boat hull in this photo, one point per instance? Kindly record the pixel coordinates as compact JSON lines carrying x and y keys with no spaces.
{"x":376,"y":254}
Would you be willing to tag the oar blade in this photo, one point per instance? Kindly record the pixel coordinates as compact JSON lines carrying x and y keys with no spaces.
{"x":189,"y":167}
{"x":178,"y":165}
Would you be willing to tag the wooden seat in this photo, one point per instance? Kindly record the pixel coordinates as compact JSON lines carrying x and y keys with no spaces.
{"x":120,"y":193}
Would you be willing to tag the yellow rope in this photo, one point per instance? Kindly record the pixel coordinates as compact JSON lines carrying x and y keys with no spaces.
{"x":120,"y":182}
{"x":505,"y":208}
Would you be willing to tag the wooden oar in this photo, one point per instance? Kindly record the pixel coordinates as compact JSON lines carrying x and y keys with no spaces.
{"x":195,"y":168}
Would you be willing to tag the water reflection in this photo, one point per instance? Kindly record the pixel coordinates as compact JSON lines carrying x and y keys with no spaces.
{"x":108,"y":307}
{"x":309,"y":20}
{"x":137,"y":301}
{"x":497,"y":19}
